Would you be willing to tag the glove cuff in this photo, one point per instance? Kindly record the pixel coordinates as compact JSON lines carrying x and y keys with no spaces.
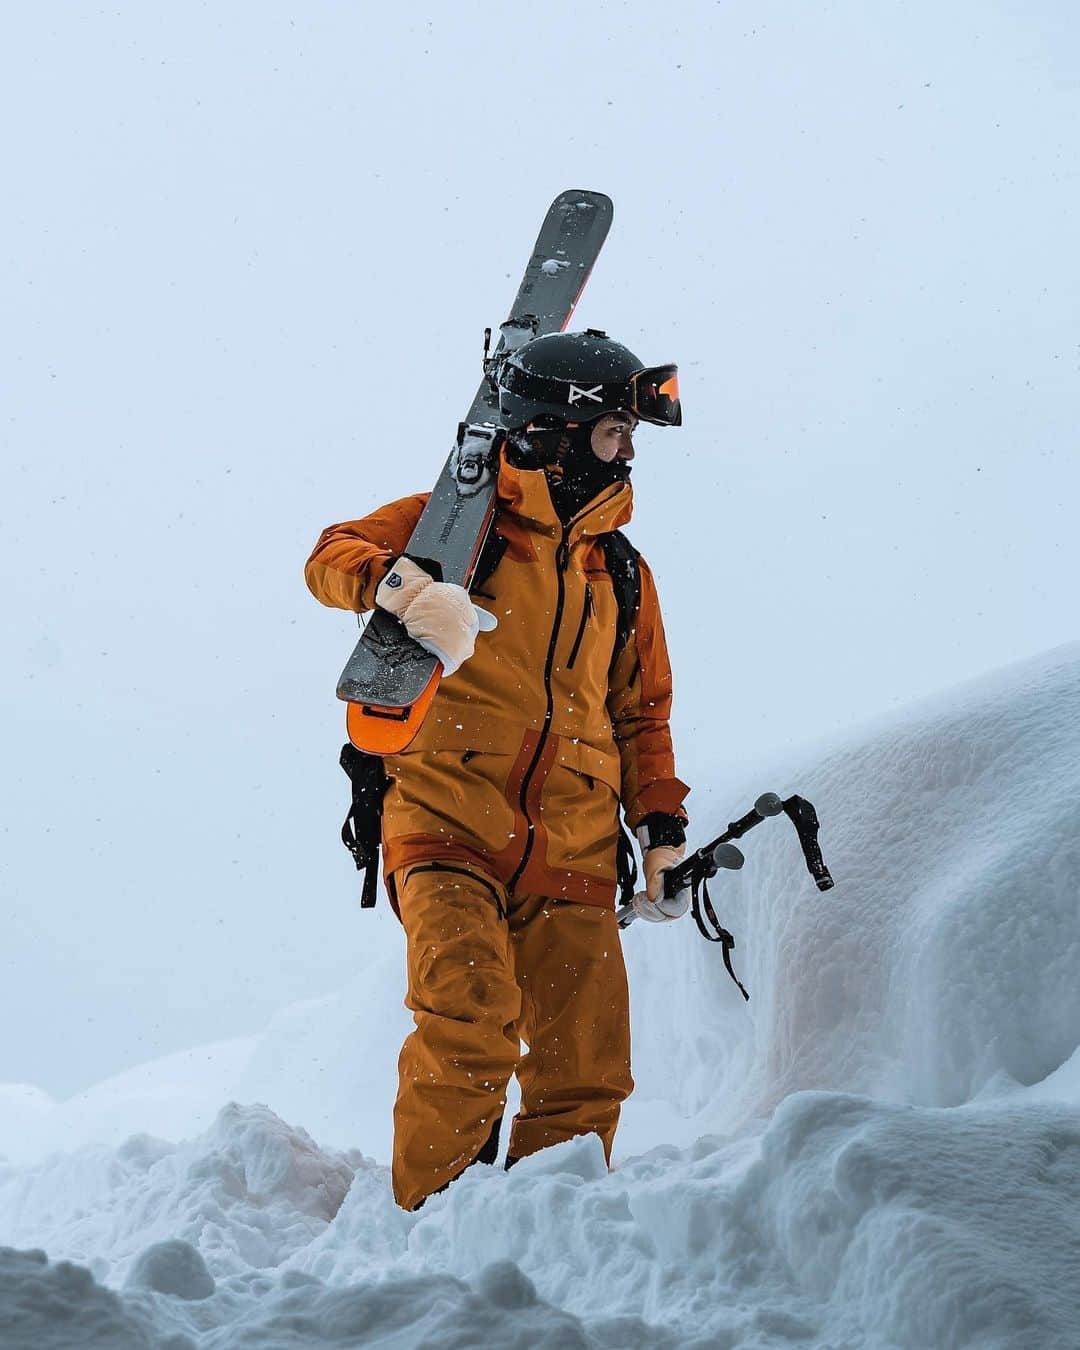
{"x":660,"y":828}
{"x":401,"y":586}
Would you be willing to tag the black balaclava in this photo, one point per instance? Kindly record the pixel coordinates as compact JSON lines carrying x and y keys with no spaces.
{"x":575,"y":473}
{"x":584,"y":474}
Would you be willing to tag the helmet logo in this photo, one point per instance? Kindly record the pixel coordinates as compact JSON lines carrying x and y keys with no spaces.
{"x":594,"y":393}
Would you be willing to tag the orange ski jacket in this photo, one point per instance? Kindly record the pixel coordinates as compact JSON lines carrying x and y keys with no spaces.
{"x":526,"y":752}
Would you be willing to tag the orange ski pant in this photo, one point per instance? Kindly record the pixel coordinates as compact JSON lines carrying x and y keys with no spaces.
{"x":488,"y":970}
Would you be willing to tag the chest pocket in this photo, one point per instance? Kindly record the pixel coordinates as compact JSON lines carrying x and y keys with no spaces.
{"x":622,"y":568}
{"x":583,"y":623}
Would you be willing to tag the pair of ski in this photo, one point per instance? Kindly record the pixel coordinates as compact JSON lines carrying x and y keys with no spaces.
{"x":390,"y":680}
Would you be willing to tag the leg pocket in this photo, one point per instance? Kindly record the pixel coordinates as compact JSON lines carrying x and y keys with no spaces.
{"x":450,"y":795}
{"x":456,"y":869}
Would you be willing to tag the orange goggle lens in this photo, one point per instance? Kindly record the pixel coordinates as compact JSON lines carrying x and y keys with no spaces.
{"x":655,"y":396}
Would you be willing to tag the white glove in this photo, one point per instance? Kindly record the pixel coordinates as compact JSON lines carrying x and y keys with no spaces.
{"x":651,"y":903}
{"x":437,"y":614}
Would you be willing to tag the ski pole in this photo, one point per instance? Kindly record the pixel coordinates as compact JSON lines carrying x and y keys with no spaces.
{"x":694,"y":872}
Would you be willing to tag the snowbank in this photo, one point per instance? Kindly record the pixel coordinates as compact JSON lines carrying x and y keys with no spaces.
{"x":882,"y":1148}
{"x":943,"y":962}
{"x":847,"y":1223}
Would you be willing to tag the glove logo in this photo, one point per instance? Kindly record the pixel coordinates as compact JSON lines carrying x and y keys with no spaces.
{"x":394,"y":581}
{"x":576,"y":394}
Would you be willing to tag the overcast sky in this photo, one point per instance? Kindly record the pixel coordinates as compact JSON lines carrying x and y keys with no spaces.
{"x":247,"y":253}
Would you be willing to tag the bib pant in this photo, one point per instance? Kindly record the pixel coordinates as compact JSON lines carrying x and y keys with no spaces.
{"x":488,"y":970}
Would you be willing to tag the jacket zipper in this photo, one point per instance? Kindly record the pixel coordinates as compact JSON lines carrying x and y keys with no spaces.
{"x":562,"y":556}
{"x":586,"y":610}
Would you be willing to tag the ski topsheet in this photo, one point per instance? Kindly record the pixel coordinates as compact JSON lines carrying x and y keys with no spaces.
{"x":390,"y":680}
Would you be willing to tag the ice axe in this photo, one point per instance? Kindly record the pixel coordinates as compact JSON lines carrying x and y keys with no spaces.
{"x":694,"y":872}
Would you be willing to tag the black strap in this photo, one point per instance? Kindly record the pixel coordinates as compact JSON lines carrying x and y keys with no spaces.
{"x":626,"y":867}
{"x":699,"y":899}
{"x":361,"y":831}
{"x":621,"y":561}
{"x":495,"y":545}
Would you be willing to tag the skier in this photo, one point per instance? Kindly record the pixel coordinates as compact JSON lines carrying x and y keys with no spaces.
{"x":502,"y":844}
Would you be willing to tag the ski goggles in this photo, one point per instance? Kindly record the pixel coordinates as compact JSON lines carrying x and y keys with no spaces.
{"x":654,"y":396}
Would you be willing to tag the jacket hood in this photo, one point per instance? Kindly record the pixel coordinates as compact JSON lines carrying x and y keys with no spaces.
{"x":525,"y":493}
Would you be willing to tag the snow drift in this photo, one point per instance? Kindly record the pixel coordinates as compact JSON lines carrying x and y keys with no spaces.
{"x":882,"y":1148}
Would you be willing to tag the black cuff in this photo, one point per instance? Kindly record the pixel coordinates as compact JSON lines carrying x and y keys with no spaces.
{"x":660,"y":828}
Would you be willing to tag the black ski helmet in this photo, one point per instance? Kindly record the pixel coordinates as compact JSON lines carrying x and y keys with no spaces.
{"x":578,"y":377}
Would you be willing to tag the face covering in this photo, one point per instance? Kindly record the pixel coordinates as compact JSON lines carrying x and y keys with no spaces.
{"x":584,"y":475}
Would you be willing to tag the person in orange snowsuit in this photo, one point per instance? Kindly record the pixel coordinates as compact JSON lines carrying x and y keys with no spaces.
{"x":501,"y":833}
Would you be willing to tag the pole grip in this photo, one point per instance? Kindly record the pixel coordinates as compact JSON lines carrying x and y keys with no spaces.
{"x":803,"y":816}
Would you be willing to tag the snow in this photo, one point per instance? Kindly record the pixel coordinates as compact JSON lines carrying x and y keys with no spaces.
{"x":881,"y":1149}
{"x":847,"y":1222}
{"x":172,"y":1267}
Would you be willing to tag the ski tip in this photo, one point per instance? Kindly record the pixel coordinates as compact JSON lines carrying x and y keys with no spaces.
{"x":586,"y":198}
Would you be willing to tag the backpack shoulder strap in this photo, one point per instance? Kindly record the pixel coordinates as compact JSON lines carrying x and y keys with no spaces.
{"x":621,"y":561}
